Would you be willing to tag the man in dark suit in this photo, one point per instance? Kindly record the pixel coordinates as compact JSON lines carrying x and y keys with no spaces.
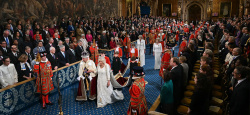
{"x":63,"y":58}
{"x":240,"y":99}
{"x":19,"y":29}
{"x":79,"y":50}
{"x":50,"y":44}
{"x":29,"y":54}
{"x":7,"y":38}
{"x":63,"y":24}
{"x":12,"y":27}
{"x":44,"y":34}
{"x":66,"y":43}
{"x":236,"y":55}
{"x":14,"y":55}
{"x":1,"y":58}
{"x":71,"y":53}
{"x":52,"y":57}
{"x":177,"y":78}
{"x":4,"y":48}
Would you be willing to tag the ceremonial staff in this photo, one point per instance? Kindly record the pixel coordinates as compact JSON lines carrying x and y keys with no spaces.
{"x":59,"y":92}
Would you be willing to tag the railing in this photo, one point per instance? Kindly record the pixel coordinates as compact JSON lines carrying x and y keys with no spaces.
{"x":22,"y":94}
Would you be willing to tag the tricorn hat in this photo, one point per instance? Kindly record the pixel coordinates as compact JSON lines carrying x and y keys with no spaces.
{"x":42,"y":54}
{"x":138,"y":72}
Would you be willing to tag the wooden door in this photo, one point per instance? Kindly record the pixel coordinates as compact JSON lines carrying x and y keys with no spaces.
{"x":194,"y":13}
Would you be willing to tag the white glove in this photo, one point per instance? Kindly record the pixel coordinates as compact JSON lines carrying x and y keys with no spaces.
{"x":90,"y":78}
{"x":125,"y":46}
{"x":136,"y":60}
{"x":79,"y":78}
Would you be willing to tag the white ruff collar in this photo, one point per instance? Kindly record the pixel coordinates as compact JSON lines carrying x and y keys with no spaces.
{"x":133,"y":50}
{"x":44,"y":61}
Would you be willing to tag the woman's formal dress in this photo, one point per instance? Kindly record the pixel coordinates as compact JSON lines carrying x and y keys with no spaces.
{"x":157,"y":49}
{"x":141,"y":48}
{"x":103,"y":92}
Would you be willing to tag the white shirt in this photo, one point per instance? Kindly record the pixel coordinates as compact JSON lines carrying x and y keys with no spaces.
{"x":132,"y":50}
{"x":117,"y":49}
{"x":239,"y":81}
{"x":8,"y":75}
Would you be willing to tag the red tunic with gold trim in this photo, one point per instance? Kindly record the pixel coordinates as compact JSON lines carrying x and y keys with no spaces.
{"x":126,"y":42}
{"x":119,"y":50}
{"x":186,"y":30}
{"x":92,"y":51}
{"x":134,"y":53}
{"x":45,"y":78}
{"x":182,"y":47}
{"x":164,"y":63}
{"x":138,"y":100}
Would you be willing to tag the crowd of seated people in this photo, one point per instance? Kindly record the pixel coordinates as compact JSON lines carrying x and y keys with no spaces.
{"x":226,"y":48}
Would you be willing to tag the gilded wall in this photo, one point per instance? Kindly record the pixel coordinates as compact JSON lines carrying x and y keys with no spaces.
{"x":49,"y":9}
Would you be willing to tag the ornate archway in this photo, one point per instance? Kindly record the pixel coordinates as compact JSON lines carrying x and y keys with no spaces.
{"x":190,"y":3}
{"x":194,"y":13}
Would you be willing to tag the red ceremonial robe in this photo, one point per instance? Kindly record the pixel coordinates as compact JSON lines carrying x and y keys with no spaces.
{"x":182,"y":47}
{"x":164,"y":63}
{"x":43,"y":81}
{"x":138,"y":100}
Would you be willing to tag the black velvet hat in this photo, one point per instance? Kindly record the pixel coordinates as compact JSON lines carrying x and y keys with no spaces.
{"x":138,"y":71}
{"x":43,"y":53}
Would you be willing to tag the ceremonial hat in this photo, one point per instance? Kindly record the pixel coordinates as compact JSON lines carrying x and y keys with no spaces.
{"x":138,"y":72}
{"x":42,"y":54}
{"x":85,"y":54}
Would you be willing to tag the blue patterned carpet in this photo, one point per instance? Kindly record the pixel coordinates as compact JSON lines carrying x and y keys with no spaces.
{"x":72,"y":107}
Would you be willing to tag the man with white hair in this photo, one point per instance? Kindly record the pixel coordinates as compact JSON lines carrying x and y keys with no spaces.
{"x":88,"y":71}
{"x":52,"y":57}
{"x":7,"y":38}
{"x":63,"y":58}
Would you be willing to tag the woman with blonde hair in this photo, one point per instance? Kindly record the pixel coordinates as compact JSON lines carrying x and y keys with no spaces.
{"x":23,"y":68}
{"x":157,"y":51}
{"x":104,"y":87}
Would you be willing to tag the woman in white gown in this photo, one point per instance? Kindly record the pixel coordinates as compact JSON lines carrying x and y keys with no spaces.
{"x":157,"y":50}
{"x":105,"y":93}
{"x":104,"y":87}
{"x":141,"y":50}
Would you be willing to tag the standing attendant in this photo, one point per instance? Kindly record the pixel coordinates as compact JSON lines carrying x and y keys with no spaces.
{"x":141,"y":50}
{"x":44,"y":82}
{"x":126,"y":44}
{"x":157,"y":51}
{"x":133,"y":52}
{"x":116,"y":65}
{"x":138,"y":103}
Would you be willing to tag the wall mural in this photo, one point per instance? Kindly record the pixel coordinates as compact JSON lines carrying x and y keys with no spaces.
{"x":50,"y":9}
